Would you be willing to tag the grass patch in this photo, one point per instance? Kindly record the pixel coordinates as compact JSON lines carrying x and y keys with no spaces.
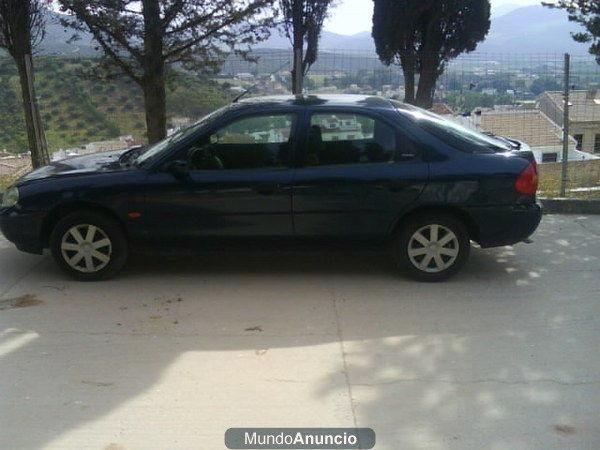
{"x":580,"y":174}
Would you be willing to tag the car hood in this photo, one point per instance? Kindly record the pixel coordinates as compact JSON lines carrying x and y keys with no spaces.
{"x":93,"y":163}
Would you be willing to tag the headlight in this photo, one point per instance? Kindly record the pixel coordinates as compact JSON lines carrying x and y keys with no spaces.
{"x":10,"y":197}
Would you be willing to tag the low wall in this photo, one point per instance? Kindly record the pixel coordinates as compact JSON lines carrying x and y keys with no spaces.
{"x":11,"y":166}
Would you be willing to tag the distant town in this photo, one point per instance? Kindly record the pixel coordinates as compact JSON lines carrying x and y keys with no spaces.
{"x":518,"y":98}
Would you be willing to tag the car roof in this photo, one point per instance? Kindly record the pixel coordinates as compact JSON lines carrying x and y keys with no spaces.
{"x":369,"y":101}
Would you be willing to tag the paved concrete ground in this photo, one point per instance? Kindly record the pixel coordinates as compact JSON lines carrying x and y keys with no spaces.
{"x":177,"y":350}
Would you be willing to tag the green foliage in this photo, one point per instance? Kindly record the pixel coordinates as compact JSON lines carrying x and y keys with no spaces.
{"x":544,"y":84}
{"x":193,"y":102}
{"x":469,"y":100}
{"x":12,"y":122}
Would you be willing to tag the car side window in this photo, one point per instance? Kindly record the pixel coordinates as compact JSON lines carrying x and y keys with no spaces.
{"x":348,"y":138}
{"x":261,"y":141}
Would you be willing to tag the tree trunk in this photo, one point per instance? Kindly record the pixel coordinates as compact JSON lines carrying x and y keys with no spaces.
{"x":424,"y":97}
{"x":427,"y":81}
{"x":153,"y":81}
{"x":408,"y":69}
{"x":33,"y":121}
{"x":429,"y":59}
{"x":298,"y":44}
{"x":155,"y":103}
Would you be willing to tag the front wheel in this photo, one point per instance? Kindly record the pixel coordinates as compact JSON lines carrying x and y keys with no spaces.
{"x":432,"y":247}
{"x":89,"y":246}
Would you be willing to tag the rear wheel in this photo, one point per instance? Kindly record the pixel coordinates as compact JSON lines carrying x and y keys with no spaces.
{"x":89,"y":246}
{"x":432,"y":247}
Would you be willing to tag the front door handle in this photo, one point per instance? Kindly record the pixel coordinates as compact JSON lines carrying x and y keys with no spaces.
{"x":267,"y":189}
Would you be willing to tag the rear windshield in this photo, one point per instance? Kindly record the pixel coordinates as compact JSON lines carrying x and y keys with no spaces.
{"x":459,"y":137}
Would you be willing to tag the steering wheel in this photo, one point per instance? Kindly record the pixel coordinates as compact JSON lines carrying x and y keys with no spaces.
{"x":204,"y":158}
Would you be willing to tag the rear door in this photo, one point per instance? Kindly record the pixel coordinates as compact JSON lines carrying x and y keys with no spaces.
{"x":357,"y":172}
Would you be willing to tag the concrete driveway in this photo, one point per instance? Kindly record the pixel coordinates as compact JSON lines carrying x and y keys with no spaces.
{"x":178,"y":349}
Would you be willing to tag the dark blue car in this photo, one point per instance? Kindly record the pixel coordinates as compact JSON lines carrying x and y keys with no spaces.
{"x":336,"y":167}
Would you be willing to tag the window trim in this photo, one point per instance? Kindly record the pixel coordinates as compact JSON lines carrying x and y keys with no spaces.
{"x":597,"y":143}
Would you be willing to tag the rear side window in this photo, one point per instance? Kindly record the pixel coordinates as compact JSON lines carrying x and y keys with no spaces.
{"x":458,"y":136}
{"x":343,"y":138}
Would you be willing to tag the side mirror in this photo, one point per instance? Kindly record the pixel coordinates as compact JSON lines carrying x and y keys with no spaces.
{"x":177,"y":168}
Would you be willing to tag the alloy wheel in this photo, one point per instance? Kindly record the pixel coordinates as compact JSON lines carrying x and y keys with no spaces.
{"x":433,"y":248}
{"x":86,"y":248}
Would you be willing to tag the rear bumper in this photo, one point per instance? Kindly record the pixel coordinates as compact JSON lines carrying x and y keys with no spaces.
{"x":505,"y":225}
{"x":24,"y":229}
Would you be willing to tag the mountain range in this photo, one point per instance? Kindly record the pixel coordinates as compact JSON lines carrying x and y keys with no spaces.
{"x":504,"y":9}
{"x":526,"y":30}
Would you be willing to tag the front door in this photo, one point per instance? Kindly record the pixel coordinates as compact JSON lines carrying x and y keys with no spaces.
{"x":237,"y":183}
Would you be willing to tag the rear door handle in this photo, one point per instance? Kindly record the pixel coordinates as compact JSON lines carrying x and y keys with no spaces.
{"x":392,"y":186}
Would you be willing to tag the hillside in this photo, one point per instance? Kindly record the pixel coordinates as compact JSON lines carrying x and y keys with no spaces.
{"x":77,"y":109}
{"x":504,"y":9}
{"x":534,"y":30}
{"x":530,"y":29}
{"x":58,"y":39}
{"x":329,"y":41}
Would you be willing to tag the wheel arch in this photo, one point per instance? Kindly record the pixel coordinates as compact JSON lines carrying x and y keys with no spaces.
{"x":64,"y":209}
{"x":457,"y":212}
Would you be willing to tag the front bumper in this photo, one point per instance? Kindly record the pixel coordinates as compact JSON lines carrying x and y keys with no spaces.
{"x":505,"y":225}
{"x":24,"y":229}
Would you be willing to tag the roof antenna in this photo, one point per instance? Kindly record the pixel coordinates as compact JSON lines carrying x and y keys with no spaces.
{"x":251,"y":88}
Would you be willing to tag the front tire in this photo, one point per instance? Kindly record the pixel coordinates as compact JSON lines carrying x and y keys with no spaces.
{"x":432,"y":247}
{"x":89,"y":246}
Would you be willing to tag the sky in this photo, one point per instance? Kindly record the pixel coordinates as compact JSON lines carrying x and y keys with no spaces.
{"x":354,"y":16}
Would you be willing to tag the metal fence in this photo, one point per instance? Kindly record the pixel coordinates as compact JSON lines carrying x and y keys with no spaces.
{"x":519,"y":96}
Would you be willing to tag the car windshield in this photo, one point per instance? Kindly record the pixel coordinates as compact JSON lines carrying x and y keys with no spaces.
{"x":461,"y":137}
{"x":153,"y":151}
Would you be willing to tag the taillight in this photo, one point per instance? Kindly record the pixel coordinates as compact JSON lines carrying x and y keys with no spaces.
{"x":527,"y":181}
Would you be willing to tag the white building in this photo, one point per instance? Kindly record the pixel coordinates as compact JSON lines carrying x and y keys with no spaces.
{"x":273,"y":135}
{"x":244,"y":76}
{"x":346,"y":128}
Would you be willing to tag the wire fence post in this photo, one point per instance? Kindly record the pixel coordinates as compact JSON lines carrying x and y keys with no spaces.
{"x":565,"y":152}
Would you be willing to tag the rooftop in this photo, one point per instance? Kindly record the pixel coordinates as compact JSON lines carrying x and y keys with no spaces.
{"x":442,"y":109}
{"x":584,"y":105}
{"x":531,"y":127}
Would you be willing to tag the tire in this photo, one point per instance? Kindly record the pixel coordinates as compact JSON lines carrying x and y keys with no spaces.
{"x":89,"y":246}
{"x":429,"y":261}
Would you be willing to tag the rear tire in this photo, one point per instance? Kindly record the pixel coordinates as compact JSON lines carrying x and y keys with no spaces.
{"x":89,"y":246}
{"x":432,"y":247}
